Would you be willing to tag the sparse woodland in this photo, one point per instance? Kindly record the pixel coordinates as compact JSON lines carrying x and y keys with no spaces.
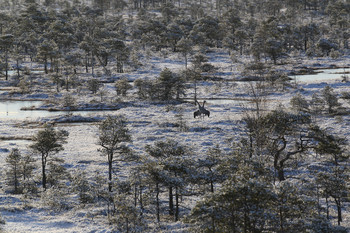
{"x":277,"y":163}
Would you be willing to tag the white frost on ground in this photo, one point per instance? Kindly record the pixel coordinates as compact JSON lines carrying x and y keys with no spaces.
{"x":148,"y":123}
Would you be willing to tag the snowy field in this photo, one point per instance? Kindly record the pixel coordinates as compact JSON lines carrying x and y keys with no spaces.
{"x":149,"y":122}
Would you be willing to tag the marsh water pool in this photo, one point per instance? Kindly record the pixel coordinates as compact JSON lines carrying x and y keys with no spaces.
{"x":323,"y":75}
{"x":11,"y":110}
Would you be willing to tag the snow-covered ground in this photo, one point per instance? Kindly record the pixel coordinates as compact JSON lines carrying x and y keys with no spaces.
{"x":149,"y":122}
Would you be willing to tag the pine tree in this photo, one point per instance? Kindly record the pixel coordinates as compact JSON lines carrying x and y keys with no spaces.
{"x":6,"y":42}
{"x":170,"y":85}
{"x":19,"y":171}
{"x":330,"y":98}
{"x":172,"y":161}
{"x":113,"y":134}
{"x":48,"y":142}
{"x":185,"y":47}
{"x":208,"y":167}
{"x":13,"y":175}
{"x":122,"y":86}
{"x":47,"y":50}
{"x":332,"y":178}
{"x":57,"y":174}
{"x":292,"y":208}
{"x":83,"y":187}
{"x":127,"y":218}
{"x":299,"y":103}
{"x":242,"y":204}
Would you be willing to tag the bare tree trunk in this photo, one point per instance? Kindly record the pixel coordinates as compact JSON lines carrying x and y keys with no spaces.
{"x":327,"y":208}
{"x":195,"y":91}
{"x":86,"y":63}
{"x":280,"y":173}
{"x":141,"y":198}
{"x":92,"y":63}
{"x":171,"y":201}
{"x":281,"y":219}
{"x":338,"y":203}
{"x":135,"y":195}
{"x":157,"y":202}
{"x":17,"y":64}
{"x":43,"y":163}
{"x":110,"y":160}
{"x":16,"y":178}
{"x":6,"y":65}
{"x":45,"y":65}
{"x":176,"y":204}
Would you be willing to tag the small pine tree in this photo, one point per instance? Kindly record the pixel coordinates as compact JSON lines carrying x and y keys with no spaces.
{"x":94,"y":85}
{"x":19,"y":171}
{"x":24,"y":86}
{"x":56,"y":199}
{"x":299,"y":103}
{"x":27,"y":168}
{"x":82,"y":186}
{"x":13,"y":174}
{"x":330,"y":98}
{"x":47,"y":142}
{"x":128,"y":218}
{"x":174,"y":162}
{"x":122,"y":86}
{"x":57,"y":173}
{"x":208,"y":167}
{"x":113,"y":133}
{"x":316,"y":105}
{"x":166,"y":83}
{"x":69,"y":102}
